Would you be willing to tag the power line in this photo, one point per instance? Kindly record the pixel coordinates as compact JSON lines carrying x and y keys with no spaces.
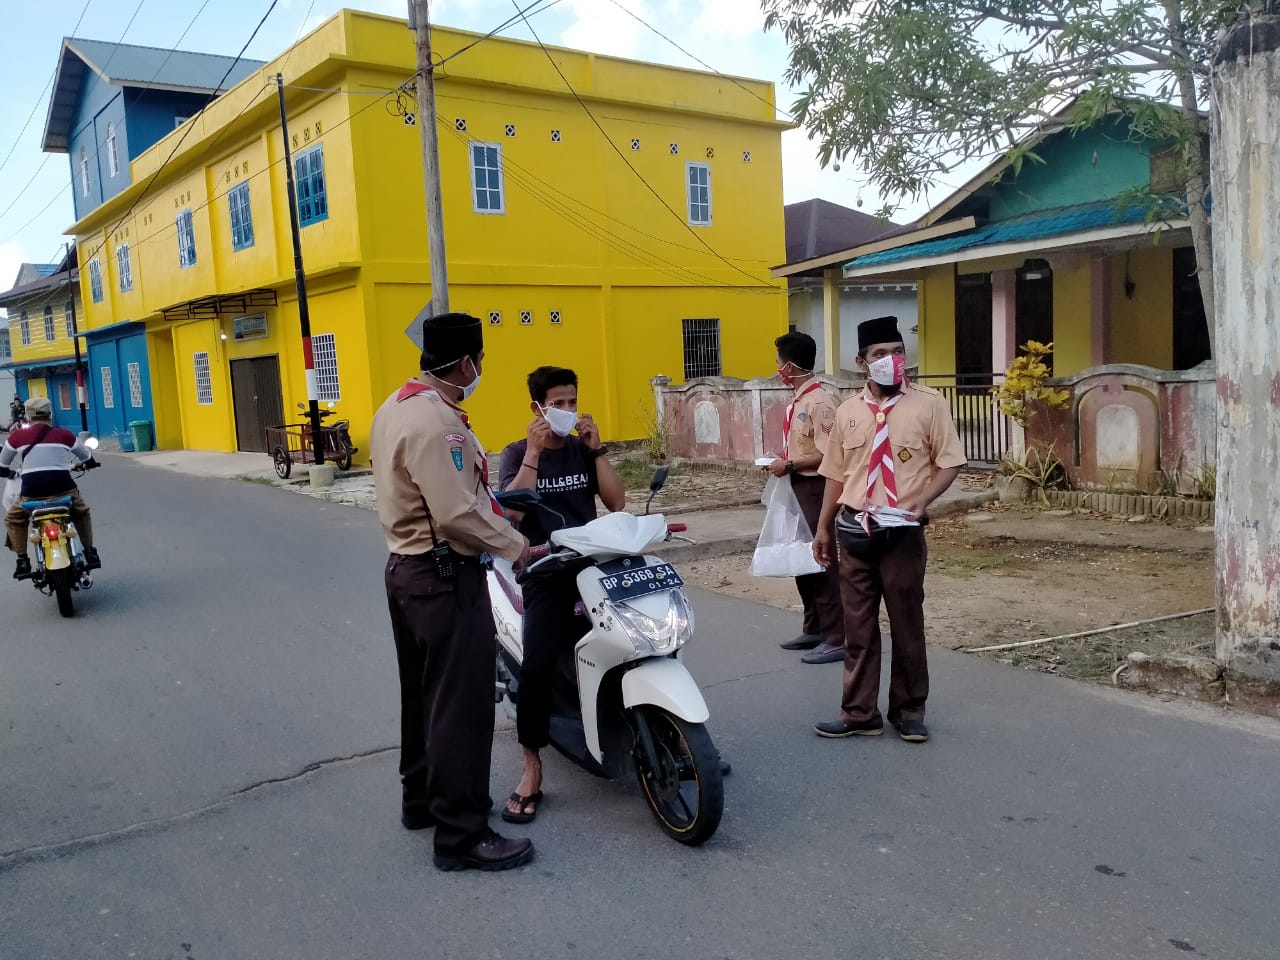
{"x":500,"y":27}
{"x":639,"y":176}
{"x":36,"y":106}
{"x":137,"y":96}
{"x":734,"y":80}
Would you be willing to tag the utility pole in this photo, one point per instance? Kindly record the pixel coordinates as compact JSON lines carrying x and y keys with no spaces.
{"x":300,"y":281}
{"x":419,"y":21}
{"x":81,"y":392}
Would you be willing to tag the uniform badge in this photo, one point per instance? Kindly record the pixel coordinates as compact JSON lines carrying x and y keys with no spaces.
{"x":826,"y":429}
{"x":853,"y":424}
{"x":455,"y":438}
{"x":802,"y":415}
{"x":456,"y":453}
{"x":904,"y":455}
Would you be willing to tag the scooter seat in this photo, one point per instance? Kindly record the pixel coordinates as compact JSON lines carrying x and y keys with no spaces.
{"x":507,"y":580}
{"x":32,"y":506}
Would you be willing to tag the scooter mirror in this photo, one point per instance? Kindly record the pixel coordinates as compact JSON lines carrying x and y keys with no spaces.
{"x":659,"y":479}
{"x":522,"y":501}
{"x":92,"y":443}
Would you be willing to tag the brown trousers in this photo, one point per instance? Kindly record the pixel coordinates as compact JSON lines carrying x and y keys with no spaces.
{"x":18,"y":524}
{"x":446,"y":646}
{"x":819,"y":592}
{"x":894,"y":571}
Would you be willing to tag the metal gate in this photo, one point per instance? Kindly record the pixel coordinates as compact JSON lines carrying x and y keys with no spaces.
{"x":985,"y":431}
{"x":255,"y":391}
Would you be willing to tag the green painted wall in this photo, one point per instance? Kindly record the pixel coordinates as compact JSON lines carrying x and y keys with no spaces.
{"x":1088,"y":166}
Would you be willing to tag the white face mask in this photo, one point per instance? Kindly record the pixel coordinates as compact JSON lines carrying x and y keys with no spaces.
{"x":562,"y":422}
{"x":470,"y":388}
{"x":887,"y":371}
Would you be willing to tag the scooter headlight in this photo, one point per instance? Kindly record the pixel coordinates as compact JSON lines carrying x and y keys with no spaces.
{"x":652,"y":635}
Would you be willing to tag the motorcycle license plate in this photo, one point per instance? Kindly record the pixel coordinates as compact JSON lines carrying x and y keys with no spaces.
{"x":626,"y":579}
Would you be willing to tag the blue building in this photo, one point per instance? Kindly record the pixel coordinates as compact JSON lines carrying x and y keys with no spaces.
{"x":110,"y":103}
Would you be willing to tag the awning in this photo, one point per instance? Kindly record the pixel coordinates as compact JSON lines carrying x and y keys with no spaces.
{"x":209,"y":308}
{"x":1052,"y":229}
{"x":17,"y":366}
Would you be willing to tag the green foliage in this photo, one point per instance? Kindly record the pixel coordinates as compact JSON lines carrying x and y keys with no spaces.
{"x":1025,"y":389}
{"x":657,"y":440}
{"x":1042,"y":468}
{"x":1206,"y":480}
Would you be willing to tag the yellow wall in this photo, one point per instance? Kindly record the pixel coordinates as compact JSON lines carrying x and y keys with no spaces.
{"x":580,"y":234}
{"x":937,"y":312}
{"x":41,"y":347}
{"x":1142,"y":327}
{"x":1072,"y":318}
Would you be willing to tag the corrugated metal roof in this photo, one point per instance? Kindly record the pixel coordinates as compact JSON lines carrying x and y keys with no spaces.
{"x":125,"y":64}
{"x":1037,"y":226}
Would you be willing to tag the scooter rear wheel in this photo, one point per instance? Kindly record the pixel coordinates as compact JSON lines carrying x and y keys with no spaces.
{"x":685,"y":792}
{"x":62,"y":587}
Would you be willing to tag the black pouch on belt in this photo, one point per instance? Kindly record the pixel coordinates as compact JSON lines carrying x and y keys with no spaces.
{"x":856,"y":541}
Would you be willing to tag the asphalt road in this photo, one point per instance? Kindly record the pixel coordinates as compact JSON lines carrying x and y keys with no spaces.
{"x":203,"y":764}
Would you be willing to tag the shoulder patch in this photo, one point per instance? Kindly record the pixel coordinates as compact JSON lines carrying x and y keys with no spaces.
{"x":925,"y":389}
{"x":454,"y":438}
{"x":456,"y":453}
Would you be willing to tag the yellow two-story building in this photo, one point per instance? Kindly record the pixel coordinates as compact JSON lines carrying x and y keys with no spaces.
{"x":623,"y":227}
{"x":41,"y":310}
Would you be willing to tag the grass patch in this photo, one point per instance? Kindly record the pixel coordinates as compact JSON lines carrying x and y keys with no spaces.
{"x":261,"y":481}
{"x":967,"y":566}
{"x":637,"y":474}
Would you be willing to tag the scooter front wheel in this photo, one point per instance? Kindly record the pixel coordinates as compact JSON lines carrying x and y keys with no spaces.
{"x":684,"y":789}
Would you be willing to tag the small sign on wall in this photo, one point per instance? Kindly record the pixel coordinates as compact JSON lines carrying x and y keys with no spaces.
{"x":250,"y":328}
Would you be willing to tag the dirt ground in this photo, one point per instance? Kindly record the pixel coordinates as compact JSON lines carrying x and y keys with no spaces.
{"x":1024,"y":573}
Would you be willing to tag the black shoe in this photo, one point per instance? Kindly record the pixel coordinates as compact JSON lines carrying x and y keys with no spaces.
{"x":91,"y":559}
{"x":417,"y":821}
{"x":838,"y":729}
{"x":495,"y":852}
{"x":824,"y":653}
{"x":806,"y":641}
{"x":912,"y":731}
{"x":726,"y":767}
{"x":23,"y":570}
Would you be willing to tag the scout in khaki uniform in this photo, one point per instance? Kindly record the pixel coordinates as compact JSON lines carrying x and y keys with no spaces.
{"x":893,"y":451}
{"x":439,"y":517}
{"x":806,"y":428}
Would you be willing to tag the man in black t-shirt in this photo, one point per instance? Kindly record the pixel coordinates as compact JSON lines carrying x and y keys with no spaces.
{"x":569,"y":472}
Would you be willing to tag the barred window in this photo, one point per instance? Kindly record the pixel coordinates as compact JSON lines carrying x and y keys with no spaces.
{"x":135,"y":385}
{"x":701,"y":349}
{"x":108,"y":389}
{"x":324,"y":351}
{"x":204,"y":380}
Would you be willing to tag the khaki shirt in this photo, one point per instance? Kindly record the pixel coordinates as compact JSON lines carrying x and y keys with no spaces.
{"x":424,"y":454}
{"x":811,"y":424}
{"x":922,"y":436}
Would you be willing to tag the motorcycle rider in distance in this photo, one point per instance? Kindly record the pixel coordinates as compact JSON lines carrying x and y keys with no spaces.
{"x":569,"y":472}
{"x":44,"y":454}
{"x":17,"y":412}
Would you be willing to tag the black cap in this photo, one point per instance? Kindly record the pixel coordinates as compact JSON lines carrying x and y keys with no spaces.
{"x":449,"y":337}
{"x":878,"y":330}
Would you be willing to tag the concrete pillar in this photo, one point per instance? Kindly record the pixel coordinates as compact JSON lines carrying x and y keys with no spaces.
{"x":1100,"y":310}
{"x":1004,"y":319}
{"x":1246,"y":262}
{"x":831,"y":320}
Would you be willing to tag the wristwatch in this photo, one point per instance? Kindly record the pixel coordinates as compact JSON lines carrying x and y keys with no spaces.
{"x":791,"y":467}
{"x":598,"y":452}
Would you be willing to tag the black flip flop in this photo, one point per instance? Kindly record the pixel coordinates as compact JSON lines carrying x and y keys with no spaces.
{"x":522,"y":802}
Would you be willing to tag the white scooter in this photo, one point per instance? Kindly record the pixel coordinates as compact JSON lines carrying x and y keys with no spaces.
{"x":623,"y":699}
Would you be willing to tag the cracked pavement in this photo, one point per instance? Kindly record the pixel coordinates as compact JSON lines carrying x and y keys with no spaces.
{"x":198,"y":766}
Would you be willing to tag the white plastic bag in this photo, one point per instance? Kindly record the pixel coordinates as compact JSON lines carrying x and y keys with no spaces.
{"x":12,"y":490}
{"x":785,"y":548}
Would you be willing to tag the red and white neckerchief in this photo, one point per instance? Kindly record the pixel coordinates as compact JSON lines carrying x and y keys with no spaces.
{"x":412,"y":389}
{"x":791,"y":410}
{"x":881,"y":466}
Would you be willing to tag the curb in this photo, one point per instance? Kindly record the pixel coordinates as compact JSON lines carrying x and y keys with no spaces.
{"x":706,"y":550}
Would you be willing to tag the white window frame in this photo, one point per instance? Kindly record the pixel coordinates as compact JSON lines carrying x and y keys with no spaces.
{"x":689,"y":186}
{"x":24,"y":328}
{"x":324,"y":354}
{"x":113,"y":159}
{"x":68,"y":319}
{"x":108,"y":388}
{"x":6,"y":347}
{"x":502,"y":180}
{"x":50,"y":326}
{"x":84,"y":172}
{"x":124,"y":267}
{"x":135,"y":384}
{"x":204,"y":379}
{"x":186,"y":239}
{"x":95,"y":280}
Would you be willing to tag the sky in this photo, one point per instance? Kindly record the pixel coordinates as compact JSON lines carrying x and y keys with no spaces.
{"x":727,"y":34}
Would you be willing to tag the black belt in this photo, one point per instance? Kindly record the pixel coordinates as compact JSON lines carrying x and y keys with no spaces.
{"x":459,"y":558}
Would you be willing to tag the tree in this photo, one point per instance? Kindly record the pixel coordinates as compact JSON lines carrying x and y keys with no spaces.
{"x":911,"y":89}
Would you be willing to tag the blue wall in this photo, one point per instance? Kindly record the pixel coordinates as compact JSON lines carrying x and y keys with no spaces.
{"x":117,"y":354}
{"x":152,"y":115}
